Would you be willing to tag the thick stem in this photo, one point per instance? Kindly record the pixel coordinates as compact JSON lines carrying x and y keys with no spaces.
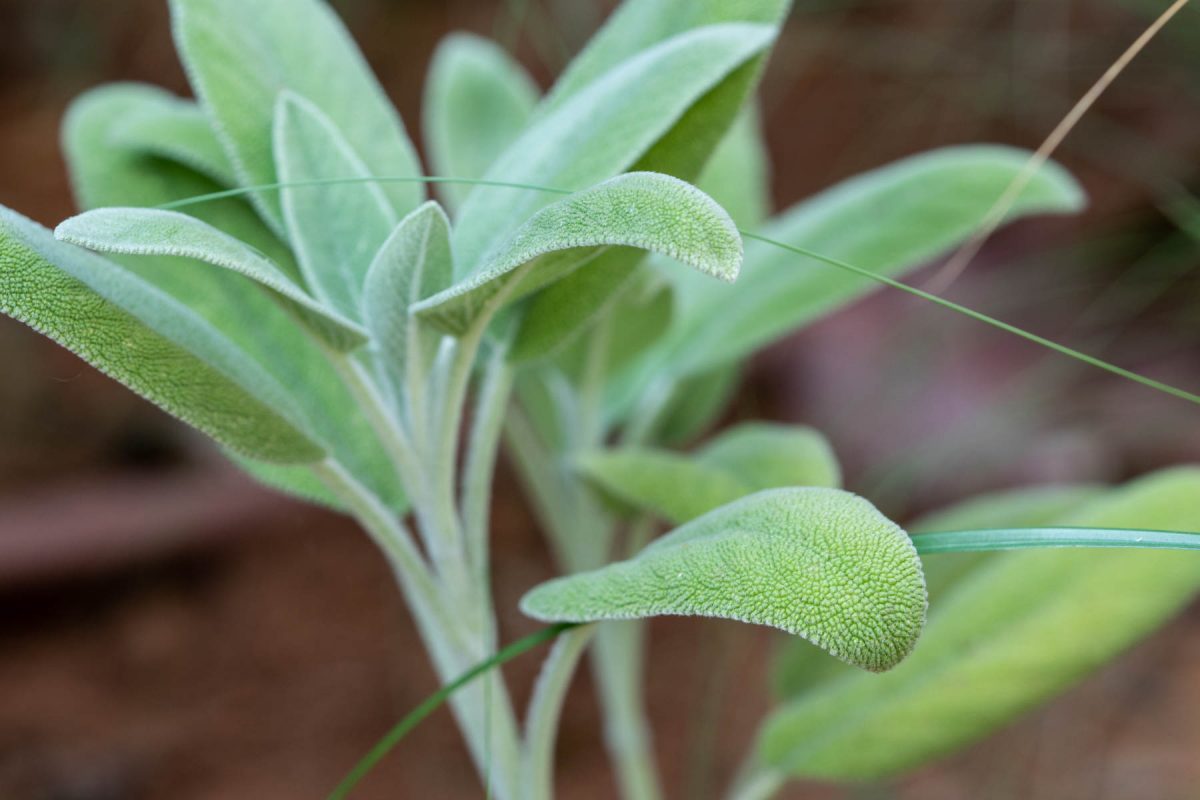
{"x":545,"y":710}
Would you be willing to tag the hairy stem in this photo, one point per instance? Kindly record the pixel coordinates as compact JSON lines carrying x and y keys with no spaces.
{"x":545,"y":709}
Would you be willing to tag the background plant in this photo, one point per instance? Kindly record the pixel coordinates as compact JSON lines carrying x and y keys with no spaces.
{"x":577,"y":393}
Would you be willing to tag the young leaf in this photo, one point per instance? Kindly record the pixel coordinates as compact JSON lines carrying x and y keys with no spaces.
{"x":798,"y":667}
{"x":603,"y":130}
{"x":105,"y":172}
{"x":1007,"y":637}
{"x":820,"y":563}
{"x":413,"y":263}
{"x":239,"y":56}
{"x":336,"y":230}
{"x":139,"y":336}
{"x":743,"y":460}
{"x":153,"y":232}
{"x":643,"y":210}
{"x":177,"y":130}
{"x":477,"y":101}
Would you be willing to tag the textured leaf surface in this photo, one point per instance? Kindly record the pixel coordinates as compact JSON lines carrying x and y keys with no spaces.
{"x":152,"y":344}
{"x":888,"y":220}
{"x":603,"y":130}
{"x":335,"y":229}
{"x":820,"y":563}
{"x":413,"y":263}
{"x":642,"y":210}
{"x":105,"y":172}
{"x":1009,"y":636}
{"x":477,"y":101}
{"x":743,"y":460}
{"x":239,"y":56}
{"x":153,"y":232}
{"x":798,"y":667}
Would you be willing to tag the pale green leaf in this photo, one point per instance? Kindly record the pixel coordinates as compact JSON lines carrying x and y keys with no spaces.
{"x":414,"y":263}
{"x":888,"y":220}
{"x":639,"y":24}
{"x":141,"y":337}
{"x":696,"y":402}
{"x":558,"y":315}
{"x":1006,"y":638}
{"x":337,"y":229}
{"x":153,"y":232}
{"x":798,"y":667}
{"x":477,"y":101}
{"x":240,"y":55}
{"x":820,"y":563}
{"x":104,"y":173}
{"x":738,"y":174}
{"x":642,"y":210}
{"x":603,"y":130}
{"x":745,"y":459}
{"x":177,"y":130}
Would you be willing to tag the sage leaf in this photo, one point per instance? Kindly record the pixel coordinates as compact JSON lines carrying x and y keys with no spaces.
{"x":105,"y":171}
{"x":177,"y":130}
{"x":142,"y":338}
{"x":603,"y":130}
{"x":639,"y":24}
{"x":1007,"y":637}
{"x":477,"y":101}
{"x":643,"y":210}
{"x":820,"y":563}
{"x":888,"y":220}
{"x":239,"y":56}
{"x":798,"y":667}
{"x":741,"y":461}
{"x":336,"y":229}
{"x":558,"y":315}
{"x":415,"y":262}
{"x":153,"y":232}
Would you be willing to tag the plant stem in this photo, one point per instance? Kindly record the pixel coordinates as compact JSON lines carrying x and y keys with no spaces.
{"x":479,"y":472}
{"x":545,"y":709}
{"x":617,"y":660}
{"x":758,"y":784}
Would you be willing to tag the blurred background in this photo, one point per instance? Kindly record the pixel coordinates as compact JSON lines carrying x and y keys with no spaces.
{"x":169,"y":630}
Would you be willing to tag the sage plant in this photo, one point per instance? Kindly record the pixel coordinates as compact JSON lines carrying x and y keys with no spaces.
{"x":265,"y":263}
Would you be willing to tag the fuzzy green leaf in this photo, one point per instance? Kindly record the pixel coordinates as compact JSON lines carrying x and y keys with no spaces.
{"x":1007,"y":637}
{"x":153,"y":232}
{"x":477,"y":102}
{"x":642,"y":210}
{"x":558,"y":315}
{"x":105,"y":172}
{"x":177,"y":130}
{"x":603,"y":130}
{"x":741,"y":461}
{"x":820,"y":563}
{"x":889,"y":220}
{"x":799,"y":667}
{"x":639,"y":24}
{"x":141,"y":337}
{"x":336,"y":230}
{"x":414,"y":263}
{"x":239,"y":56}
